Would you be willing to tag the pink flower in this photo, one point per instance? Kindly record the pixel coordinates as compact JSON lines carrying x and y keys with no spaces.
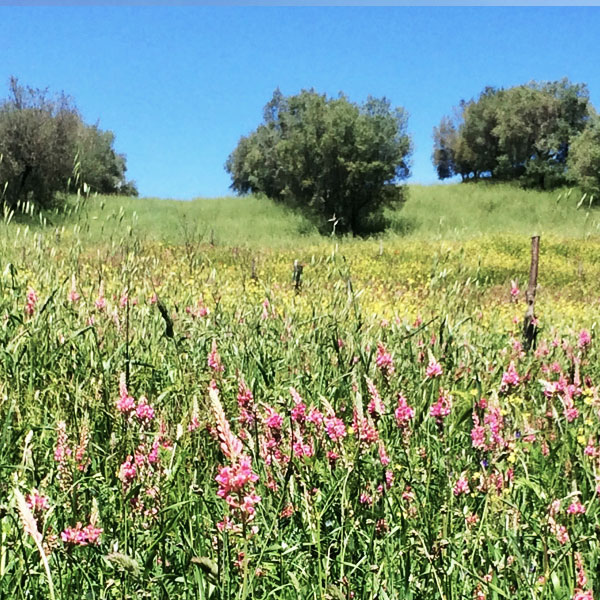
{"x":332,"y":457}
{"x":478,"y":436}
{"x":273,"y":419}
{"x":245,"y":398}
{"x":144,"y":412}
{"x":389,"y":478}
{"x":335,"y":428}
{"x":31,"y":302}
{"x":461,"y":486}
{"x":298,"y":413}
{"x":375,"y":406}
{"x":366,"y":498}
{"x":434,"y":369}
{"x":583,"y":595}
{"x":384,"y":459}
{"x":62,"y":451}
{"x":92,"y":534}
{"x":581,"y":576}
{"x":128,"y":470}
{"x":384,"y":360}
{"x":514,"y":290}
{"x":36,"y":502}
{"x":73,"y":295}
{"x":236,"y":487}
{"x":576,"y":508}
{"x":153,"y":454}
{"x":214,"y":360}
{"x":403,"y":413}
{"x":365,"y":430}
{"x":125,"y":403}
{"x":442,"y":408}
{"x":585,"y":339}
{"x":315,"y":416}
{"x":81,"y":536}
{"x":510,"y":378}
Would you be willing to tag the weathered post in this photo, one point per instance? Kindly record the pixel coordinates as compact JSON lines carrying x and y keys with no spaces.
{"x":253,"y":273}
{"x":530,"y":323}
{"x":298,"y":275}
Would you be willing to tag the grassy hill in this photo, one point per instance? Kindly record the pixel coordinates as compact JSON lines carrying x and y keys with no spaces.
{"x":436,"y":212}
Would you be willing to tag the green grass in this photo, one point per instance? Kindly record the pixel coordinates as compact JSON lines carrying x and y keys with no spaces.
{"x":461,"y":212}
{"x":436,"y":212}
{"x":233,"y":221}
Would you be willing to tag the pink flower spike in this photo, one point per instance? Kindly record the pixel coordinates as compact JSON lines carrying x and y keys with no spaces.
{"x":335,"y":428}
{"x":214,"y":359}
{"x":144,"y":412}
{"x":36,"y":502}
{"x":461,"y":486}
{"x":434,"y":369}
{"x":73,"y":296}
{"x":403,"y":413}
{"x":442,"y":408}
{"x":576,"y":508}
{"x":125,"y":403}
{"x":585,"y":339}
{"x":583,"y":595}
{"x":31,"y":302}
{"x":384,"y":360}
{"x":510,"y":378}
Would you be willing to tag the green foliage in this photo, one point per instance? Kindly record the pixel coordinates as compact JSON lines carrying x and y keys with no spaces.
{"x":584,"y":159}
{"x":44,"y":142}
{"x":332,"y":159}
{"x":519,"y":134}
{"x":99,"y":165}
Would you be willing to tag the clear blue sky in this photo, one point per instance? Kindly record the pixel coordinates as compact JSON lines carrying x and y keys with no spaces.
{"x":179,"y":85}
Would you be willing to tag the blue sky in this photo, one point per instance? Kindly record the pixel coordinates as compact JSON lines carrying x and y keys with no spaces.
{"x":179,"y":85}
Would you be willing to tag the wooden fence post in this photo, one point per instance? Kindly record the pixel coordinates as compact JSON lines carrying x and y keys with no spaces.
{"x":298,"y":275}
{"x":530,"y":323}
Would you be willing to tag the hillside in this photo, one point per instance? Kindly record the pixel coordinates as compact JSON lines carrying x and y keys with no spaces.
{"x":436,"y":212}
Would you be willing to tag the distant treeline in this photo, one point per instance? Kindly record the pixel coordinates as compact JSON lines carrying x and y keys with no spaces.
{"x":541,"y":135}
{"x":45,"y":148}
{"x":338,"y":162}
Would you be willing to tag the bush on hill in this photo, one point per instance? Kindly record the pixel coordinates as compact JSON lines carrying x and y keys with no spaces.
{"x":45,"y":145}
{"x":519,"y":134}
{"x":339,"y":162}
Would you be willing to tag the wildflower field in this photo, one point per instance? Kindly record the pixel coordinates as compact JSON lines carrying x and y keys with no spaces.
{"x":185,"y":421}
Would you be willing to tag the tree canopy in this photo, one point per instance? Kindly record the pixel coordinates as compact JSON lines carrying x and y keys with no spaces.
{"x":329,"y":157}
{"x":44,"y":144}
{"x":518,"y":134}
{"x":584,"y":158}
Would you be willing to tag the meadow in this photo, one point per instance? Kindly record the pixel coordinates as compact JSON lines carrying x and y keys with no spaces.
{"x":179,"y":419}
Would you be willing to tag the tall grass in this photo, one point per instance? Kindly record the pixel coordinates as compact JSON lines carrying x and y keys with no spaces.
{"x":450,"y":212}
{"x":463,"y":211}
{"x":184,"y":423}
